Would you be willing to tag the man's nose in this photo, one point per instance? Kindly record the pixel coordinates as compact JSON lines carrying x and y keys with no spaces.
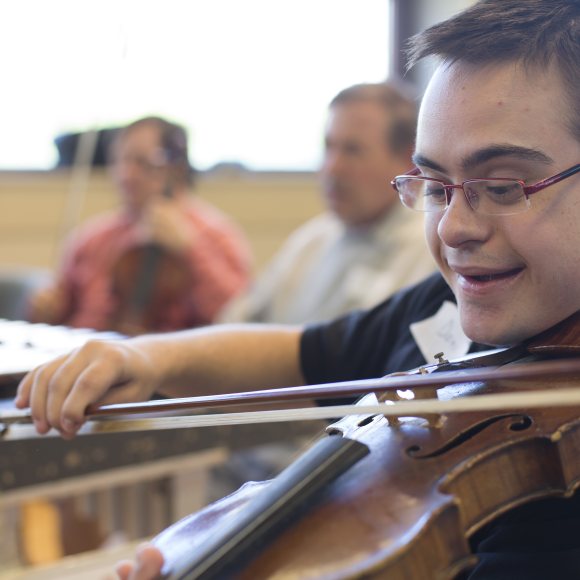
{"x":127,"y":170}
{"x":459,"y":222}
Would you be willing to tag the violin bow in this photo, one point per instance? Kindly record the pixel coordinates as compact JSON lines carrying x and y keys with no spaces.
{"x":162,"y":413}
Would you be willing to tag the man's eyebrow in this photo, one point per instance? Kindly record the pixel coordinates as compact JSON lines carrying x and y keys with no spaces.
{"x":422,"y":161}
{"x":495,"y":151}
{"x":487,"y":154}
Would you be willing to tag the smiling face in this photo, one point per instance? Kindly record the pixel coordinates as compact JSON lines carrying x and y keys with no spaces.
{"x":517,"y":275}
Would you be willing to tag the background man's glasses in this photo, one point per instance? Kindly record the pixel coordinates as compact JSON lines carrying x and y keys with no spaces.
{"x":497,"y":196}
{"x":147,"y":164}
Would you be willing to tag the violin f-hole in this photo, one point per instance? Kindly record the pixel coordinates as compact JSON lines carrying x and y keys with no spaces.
{"x":519,"y":422}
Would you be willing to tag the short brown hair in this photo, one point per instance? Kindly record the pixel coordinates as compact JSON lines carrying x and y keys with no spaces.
{"x":537,"y":33}
{"x":173,"y":140}
{"x":398,"y":101}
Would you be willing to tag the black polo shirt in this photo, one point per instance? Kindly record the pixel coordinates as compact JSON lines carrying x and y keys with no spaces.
{"x":539,"y":541}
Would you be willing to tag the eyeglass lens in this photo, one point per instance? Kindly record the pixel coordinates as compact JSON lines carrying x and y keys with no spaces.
{"x":485,"y":196}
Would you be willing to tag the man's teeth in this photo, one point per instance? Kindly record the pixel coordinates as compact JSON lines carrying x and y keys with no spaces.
{"x":496,"y":276}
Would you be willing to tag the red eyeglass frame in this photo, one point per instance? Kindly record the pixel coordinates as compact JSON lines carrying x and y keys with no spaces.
{"x":528,"y":189}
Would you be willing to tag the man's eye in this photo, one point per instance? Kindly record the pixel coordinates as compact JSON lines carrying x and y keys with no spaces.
{"x":503,"y":192}
{"x":435,"y":193}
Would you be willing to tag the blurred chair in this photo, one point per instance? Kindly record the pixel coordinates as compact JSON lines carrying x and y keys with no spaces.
{"x":16,"y":283}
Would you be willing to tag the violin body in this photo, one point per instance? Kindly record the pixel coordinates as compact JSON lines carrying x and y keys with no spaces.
{"x":408,"y":509}
{"x":145,"y":280}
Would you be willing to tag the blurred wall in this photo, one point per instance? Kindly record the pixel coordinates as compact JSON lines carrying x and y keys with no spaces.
{"x":34,"y":207}
{"x":410,"y":17}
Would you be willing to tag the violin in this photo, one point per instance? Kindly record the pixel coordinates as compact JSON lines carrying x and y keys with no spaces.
{"x":145,"y":279}
{"x":395,"y":499}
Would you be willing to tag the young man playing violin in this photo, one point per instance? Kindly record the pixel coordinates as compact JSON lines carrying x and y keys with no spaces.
{"x":498,"y":177}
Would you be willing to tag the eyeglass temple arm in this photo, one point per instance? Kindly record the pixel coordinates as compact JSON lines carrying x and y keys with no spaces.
{"x":551,"y":180}
{"x":411,"y":172}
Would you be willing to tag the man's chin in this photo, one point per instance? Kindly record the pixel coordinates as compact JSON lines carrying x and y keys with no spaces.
{"x":340,"y":210}
{"x":485,"y":328}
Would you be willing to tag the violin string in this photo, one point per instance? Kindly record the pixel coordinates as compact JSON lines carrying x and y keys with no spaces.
{"x":498,"y":402}
{"x":561,"y":397}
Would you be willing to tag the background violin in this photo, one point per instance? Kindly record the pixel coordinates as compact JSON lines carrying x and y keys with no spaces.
{"x":150,"y":167}
{"x":145,"y":279}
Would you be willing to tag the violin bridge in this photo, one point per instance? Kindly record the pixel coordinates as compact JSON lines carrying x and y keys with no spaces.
{"x":431,"y":419}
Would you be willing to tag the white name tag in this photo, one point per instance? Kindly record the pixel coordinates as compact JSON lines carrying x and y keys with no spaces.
{"x":441,"y":333}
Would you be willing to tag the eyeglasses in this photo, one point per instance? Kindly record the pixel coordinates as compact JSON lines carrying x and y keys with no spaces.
{"x":145,"y":164}
{"x":496,"y":196}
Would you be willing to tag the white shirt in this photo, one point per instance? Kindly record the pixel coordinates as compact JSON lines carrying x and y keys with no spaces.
{"x":326,"y":269}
